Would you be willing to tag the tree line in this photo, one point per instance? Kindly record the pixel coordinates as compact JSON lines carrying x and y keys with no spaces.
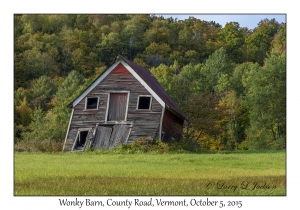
{"x":230,"y":82}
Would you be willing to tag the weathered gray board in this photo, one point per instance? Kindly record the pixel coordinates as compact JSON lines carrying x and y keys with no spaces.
{"x":120,"y":135}
{"x":117,"y":106}
{"x":107,"y":137}
{"x":103,"y":134}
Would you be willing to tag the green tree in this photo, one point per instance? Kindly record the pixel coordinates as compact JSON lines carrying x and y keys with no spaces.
{"x":32,"y":23}
{"x":53,"y":24}
{"x":185,"y":39}
{"x":199,"y":107}
{"x":72,"y":86}
{"x":83,"y":61}
{"x":82,"y":22}
{"x":20,"y":94}
{"x":279,"y":41}
{"x":18,"y":25}
{"x":52,"y":124}
{"x":191,"y":78}
{"x":259,"y":42}
{"x":216,"y":65}
{"x":38,"y":127}
{"x":42,"y":90}
{"x":164,"y":76}
{"x":110,"y":46}
{"x":205,"y":34}
{"x":232,"y":39}
{"x":24,"y":112}
{"x":192,"y":56}
{"x":158,"y":33}
{"x":240,"y":74}
{"x":67,"y":39}
{"x":266,"y":101}
{"x":129,"y":35}
{"x":19,"y":72}
{"x":234,"y":121}
{"x":98,"y":20}
{"x":133,"y":34}
{"x":157,"y":53}
{"x":234,"y":82}
{"x":33,"y":64}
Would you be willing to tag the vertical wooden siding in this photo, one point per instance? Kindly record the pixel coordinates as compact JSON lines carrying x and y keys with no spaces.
{"x":117,"y":106}
{"x":171,"y":126}
{"x":146,"y":122}
{"x":102,"y":136}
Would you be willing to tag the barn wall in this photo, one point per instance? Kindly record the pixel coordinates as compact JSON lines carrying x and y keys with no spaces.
{"x":145,"y":122}
{"x":171,"y":126}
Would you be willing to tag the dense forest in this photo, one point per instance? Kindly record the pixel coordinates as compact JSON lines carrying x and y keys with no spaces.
{"x":230,"y":82}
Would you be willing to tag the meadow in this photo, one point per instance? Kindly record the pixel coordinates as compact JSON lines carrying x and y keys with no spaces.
{"x":150,"y":174}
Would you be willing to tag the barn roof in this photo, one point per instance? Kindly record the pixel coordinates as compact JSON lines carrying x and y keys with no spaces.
{"x":146,"y":76}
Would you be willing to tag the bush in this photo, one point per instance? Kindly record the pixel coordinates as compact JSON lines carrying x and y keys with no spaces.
{"x":184,"y":146}
{"x":145,"y":145}
{"x":38,"y":146}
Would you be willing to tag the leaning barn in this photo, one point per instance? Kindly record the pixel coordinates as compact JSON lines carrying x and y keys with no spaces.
{"x":123,"y":104}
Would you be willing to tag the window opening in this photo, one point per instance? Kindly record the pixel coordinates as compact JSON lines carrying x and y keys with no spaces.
{"x":81,"y":139}
{"x":144,"y":102}
{"x":92,"y":103}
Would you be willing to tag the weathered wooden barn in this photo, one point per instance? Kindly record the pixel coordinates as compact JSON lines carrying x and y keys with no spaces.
{"x":124,"y":103}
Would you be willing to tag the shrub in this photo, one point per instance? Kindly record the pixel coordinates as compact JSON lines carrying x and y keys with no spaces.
{"x":145,"y":145}
{"x":38,"y":146}
{"x":184,"y":146}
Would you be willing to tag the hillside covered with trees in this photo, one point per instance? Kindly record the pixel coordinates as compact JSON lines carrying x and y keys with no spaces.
{"x":230,"y":82}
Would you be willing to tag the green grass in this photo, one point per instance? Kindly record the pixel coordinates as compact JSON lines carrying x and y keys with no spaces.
{"x":150,"y":174}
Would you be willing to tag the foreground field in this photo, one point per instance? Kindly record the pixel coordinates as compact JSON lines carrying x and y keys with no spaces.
{"x":150,"y":174}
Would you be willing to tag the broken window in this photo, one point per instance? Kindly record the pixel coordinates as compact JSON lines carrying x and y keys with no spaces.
{"x":144,"y":102}
{"x":82,"y":139}
{"x":91,"y":103}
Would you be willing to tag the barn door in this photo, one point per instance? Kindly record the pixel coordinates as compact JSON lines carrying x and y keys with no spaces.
{"x":102,"y":137}
{"x":110,"y":136}
{"x":117,"y":107}
{"x":119,"y":135}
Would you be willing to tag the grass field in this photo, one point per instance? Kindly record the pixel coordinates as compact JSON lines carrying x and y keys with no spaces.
{"x":91,"y":173}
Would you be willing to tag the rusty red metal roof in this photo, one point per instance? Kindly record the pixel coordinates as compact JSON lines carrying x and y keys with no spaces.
{"x":148,"y":77}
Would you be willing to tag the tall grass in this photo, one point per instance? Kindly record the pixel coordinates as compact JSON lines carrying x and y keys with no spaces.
{"x":92,"y":173}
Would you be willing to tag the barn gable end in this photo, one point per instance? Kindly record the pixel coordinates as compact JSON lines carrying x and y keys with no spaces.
{"x":121,"y":97}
